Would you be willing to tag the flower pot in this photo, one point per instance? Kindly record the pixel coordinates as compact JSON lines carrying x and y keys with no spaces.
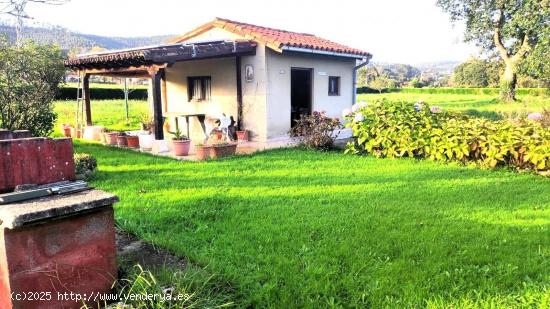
{"x":203,"y":151}
{"x":146,"y":142}
{"x":181,"y":147}
{"x":121,"y":141}
{"x":219,"y":135}
{"x":230,"y":149}
{"x":132,"y":141}
{"x":242,"y":136}
{"x":220,"y":151}
{"x":67,"y":131}
{"x":111,"y":138}
{"x":76,"y":133}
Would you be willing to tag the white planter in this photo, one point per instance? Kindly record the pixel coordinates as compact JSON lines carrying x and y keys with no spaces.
{"x":146,"y":141}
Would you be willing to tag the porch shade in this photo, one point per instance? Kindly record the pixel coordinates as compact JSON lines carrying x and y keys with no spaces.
{"x":160,"y":55}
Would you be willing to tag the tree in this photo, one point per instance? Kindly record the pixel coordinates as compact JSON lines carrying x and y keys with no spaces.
{"x":472,"y":73}
{"x":382,"y":82}
{"x":30,"y":75}
{"x":512,"y":28}
{"x":16,"y":8}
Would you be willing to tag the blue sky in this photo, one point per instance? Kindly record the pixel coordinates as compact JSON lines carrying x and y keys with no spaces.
{"x":404,"y":31}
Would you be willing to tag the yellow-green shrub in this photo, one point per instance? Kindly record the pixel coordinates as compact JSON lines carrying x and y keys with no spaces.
{"x":398,"y":129}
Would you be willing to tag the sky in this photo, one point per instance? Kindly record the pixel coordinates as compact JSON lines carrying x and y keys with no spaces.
{"x":397,"y":31}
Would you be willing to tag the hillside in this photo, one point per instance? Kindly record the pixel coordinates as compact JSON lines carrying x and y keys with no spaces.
{"x":69,"y":40}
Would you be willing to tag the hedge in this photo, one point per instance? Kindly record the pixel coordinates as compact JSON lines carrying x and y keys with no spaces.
{"x":471,"y":91}
{"x":69,"y":93}
{"x":398,"y":129}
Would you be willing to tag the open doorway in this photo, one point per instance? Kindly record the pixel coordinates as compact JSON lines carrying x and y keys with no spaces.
{"x":300,"y":93}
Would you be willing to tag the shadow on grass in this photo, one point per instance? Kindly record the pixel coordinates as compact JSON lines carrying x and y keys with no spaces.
{"x":292,"y":228}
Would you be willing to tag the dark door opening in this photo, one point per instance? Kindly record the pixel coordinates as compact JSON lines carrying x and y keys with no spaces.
{"x":300,"y":93}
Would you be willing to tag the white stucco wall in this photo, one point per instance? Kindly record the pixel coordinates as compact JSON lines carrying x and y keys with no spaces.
{"x":224,"y":93}
{"x":278,"y":99}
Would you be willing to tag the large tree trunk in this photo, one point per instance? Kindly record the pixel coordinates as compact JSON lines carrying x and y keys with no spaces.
{"x":508,"y":82}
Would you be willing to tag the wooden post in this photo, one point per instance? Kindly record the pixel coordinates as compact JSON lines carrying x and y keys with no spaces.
{"x":86,"y":98}
{"x":239,"y":93}
{"x":157,"y":103}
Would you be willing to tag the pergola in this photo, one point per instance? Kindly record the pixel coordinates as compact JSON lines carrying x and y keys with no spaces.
{"x":151,"y":62}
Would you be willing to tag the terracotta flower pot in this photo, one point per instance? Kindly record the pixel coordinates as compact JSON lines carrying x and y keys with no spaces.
{"x":67,"y":131}
{"x":203,"y":151}
{"x":242,"y":136}
{"x":111,"y":138}
{"x":132,"y":141}
{"x":76,"y":133}
{"x":181,"y":147}
{"x":122,"y":141}
{"x":220,"y":151}
{"x":219,"y":135}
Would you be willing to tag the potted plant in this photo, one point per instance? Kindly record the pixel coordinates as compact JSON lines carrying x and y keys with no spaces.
{"x":242,"y":135}
{"x":203,"y":151}
{"x":132,"y":141}
{"x":223,"y":149}
{"x":66,"y":129}
{"x":180,"y":143}
{"x":121,"y":139}
{"x":111,"y":138}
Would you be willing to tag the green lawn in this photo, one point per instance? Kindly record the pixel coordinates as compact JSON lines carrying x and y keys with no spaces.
{"x":295,"y":228}
{"x":484,"y":105}
{"x":108,"y":113}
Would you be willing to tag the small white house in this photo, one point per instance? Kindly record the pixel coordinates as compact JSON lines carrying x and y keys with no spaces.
{"x":265,"y":78}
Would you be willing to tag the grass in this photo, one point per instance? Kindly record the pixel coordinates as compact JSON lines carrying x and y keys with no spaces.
{"x":296,"y":228}
{"x":108,"y":113}
{"x":482,"y":105}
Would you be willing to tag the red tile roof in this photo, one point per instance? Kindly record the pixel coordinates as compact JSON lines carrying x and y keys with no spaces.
{"x":274,"y":38}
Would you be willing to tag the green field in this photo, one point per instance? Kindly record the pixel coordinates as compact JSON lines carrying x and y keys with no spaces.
{"x":108,"y":113}
{"x":294,"y":228}
{"x":483,"y":105}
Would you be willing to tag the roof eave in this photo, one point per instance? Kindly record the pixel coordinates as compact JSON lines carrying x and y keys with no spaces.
{"x":324,"y":52}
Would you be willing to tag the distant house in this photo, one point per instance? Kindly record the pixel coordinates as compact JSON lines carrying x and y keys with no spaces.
{"x":265,"y":78}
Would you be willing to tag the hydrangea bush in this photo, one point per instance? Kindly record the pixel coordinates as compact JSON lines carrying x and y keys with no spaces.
{"x":399,"y":129}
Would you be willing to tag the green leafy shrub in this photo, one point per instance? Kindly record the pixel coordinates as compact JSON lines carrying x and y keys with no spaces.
{"x":317,"y":131}
{"x":398,"y":129}
{"x":30,"y":75}
{"x":85,"y":165}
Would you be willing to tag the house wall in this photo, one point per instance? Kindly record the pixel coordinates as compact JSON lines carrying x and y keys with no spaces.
{"x":278,"y":99}
{"x":266,"y":99}
{"x":224,"y":93}
{"x":223,"y":97}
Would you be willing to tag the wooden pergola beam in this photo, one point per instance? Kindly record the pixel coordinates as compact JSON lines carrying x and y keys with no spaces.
{"x":157,"y":76}
{"x":86,"y":98}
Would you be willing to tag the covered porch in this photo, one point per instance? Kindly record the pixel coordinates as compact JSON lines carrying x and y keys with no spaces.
{"x":162,"y":65}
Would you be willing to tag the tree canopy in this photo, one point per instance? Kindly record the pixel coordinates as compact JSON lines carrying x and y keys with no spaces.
{"x":517,"y":30}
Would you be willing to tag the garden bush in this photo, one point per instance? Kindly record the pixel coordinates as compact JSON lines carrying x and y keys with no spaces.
{"x":317,"y":131}
{"x":30,"y":75}
{"x":398,"y":129}
{"x":85,"y":165}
